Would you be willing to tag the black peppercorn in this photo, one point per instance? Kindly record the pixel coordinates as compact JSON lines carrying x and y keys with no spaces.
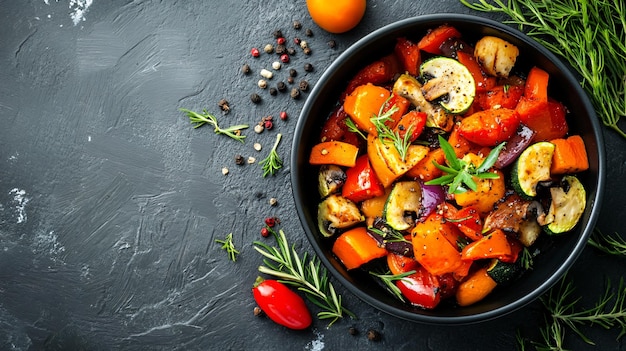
{"x":304,"y":85}
{"x":273,"y":91}
{"x":293,"y":72}
{"x":291,"y":51}
{"x":295,"y":93}
{"x":373,"y":335}
{"x":280,"y":49}
{"x":290,"y":80}
{"x":353,"y":331}
{"x":239,"y":160}
{"x":308,"y":67}
{"x":332,"y":44}
{"x":278,"y":34}
{"x":281,"y":86}
{"x":297,"y":25}
{"x":308,"y":32}
{"x":255,"y":98}
{"x":245,"y":69}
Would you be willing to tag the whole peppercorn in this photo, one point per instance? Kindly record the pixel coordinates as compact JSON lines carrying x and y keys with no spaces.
{"x":295,"y":93}
{"x":304,"y":44}
{"x":308,"y":32}
{"x":257,"y":311}
{"x":281,"y":41}
{"x":255,"y":98}
{"x":245,"y":69}
{"x":281,"y":86}
{"x":268,"y":124}
{"x":284,"y":58}
{"x":265,"y":232}
{"x":291,"y":51}
{"x":297,"y":25}
{"x":304,"y":85}
{"x":268,"y":48}
{"x":273,"y":91}
{"x":278,"y":33}
{"x":255,"y":52}
{"x":283,"y":115}
{"x":307,"y":51}
{"x":262,"y":83}
{"x":297,"y":41}
{"x":273,"y":201}
{"x":373,"y":335}
{"x":239,"y":160}
{"x":280,"y":49}
{"x":270,"y":221}
{"x":353,"y":331}
{"x":332,"y":44}
{"x":293,"y":72}
{"x":290,"y":80}
{"x":224,"y":106}
{"x":308,"y":67}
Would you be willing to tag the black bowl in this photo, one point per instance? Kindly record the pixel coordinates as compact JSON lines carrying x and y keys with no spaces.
{"x":550,"y":265}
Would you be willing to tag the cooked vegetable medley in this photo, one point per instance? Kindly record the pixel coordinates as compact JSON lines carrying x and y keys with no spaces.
{"x":444,"y":163}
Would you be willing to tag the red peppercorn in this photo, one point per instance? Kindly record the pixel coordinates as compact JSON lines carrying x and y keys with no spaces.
{"x":270,"y":221}
{"x":284,"y":58}
{"x":283,"y":115}
{"x":268,"y":124}
{"x":255,"y":52}
{"x":265,"y":232}
{"x":281,"y":40}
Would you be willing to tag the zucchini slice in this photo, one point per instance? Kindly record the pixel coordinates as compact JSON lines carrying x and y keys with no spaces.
{"x":330,"y":179}
{"x":567,"y":206}
{"x":336,"y":212}
{"x":532,"y":167}
{"x":403,"y":205}
{"x":449,"y":80}
{"x":502,"y":272}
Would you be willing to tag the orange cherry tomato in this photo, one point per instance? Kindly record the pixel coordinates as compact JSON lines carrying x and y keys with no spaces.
{"x":336,"y":16}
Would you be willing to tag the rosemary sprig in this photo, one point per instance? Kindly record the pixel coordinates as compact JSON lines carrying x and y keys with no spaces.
{"x":608,"y":312}
{"x":388,"y":279}
{"x":353,"y":128}
{"x":385,"y":133}
{"x":589,"y":35}
{"x":613,"y":245}
{"x":229,"y":246}
{"x":459,"y":172}
{"x":306,"y":274}
{"x":389,"y":234}
{"x":272,"y":162}
{"x":198,"y":120}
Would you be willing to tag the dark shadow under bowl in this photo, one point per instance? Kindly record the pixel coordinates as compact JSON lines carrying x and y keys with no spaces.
{"x":558,"y":255}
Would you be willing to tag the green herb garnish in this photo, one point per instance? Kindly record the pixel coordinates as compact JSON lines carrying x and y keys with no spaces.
{"x":272,"y":162}
{"x":384,"y":132}
{"x":305,"y":274}
{"x":198,"y":120}
{"x":229,"y":246}
{"x":353,"y":128}
{"x":389,"y":279}
{"x":460,"y":172}
{"x":613,"y":245}
{"x":589,"y":35}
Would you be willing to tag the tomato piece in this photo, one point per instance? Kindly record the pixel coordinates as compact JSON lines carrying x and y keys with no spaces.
{"x":490,"y":127}
{"x":420,"y":288}
{"x":281,"y":304}
{"x":413,"y":120}
{"x":361,"y":182}
{"x":482,"y":81}
{"x":409,"y":54}
{"x":378,"y":72}
{"x":500,"y":97}
{"x":335,"y":128}
{"x":467,"y":220}
{"x":432,"y":41}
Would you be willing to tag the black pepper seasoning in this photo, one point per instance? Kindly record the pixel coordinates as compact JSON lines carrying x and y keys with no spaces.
{"x":278,"y":34}
{"x":297,"y":25}
{"x":273,"y":91}
{"x":291,"y":51}
{"x":373,"y":335}
{"x":281,"y":86}
{"x":295,"y":93}
{"x":239,"y":160}
{"x":245,"y":69}
{"x":293,"y":72}
{"x":290,"y":80}
{"x":255,"y":98}
{"x":308,"y":32}
{"x":308,"y":67}
{"x":304,"y":85}
{"x":280,"y":49}
{"x":353,"y":331}
{"x":332,"y":44}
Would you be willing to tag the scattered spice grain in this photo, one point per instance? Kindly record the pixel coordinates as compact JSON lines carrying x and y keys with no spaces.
{"x":295,"y":93}
{"x":255,"y":98}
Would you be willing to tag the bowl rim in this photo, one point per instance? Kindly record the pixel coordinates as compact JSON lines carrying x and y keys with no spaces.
{"x":595,"y":201}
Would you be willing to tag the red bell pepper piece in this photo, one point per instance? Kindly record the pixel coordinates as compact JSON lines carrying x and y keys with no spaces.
{"x":500,"y":96}
{"x":401,"y":103}
{"x":489,"y":127}
{"x":432,"y":41}
{"x":516,"y":248}
{"x":361,"y":182}
{"x":409,"y":54}
{"x":482,"y":81}
{"x":335,"y":128}
{"x":467,"y":220}
{"x":377,"y":73}
{"x":420,"y":288}
{"x":413,"y":120}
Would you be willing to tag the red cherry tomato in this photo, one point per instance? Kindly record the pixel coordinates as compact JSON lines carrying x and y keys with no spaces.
{"x":421,"y":288}
{"x":281,"y":304}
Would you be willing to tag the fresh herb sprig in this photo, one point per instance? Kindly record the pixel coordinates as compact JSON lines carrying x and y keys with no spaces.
{"x":608,"y":312}
{"x":272,"y":163}
{"x":459,"y":173}
{"x":229,"y":246}
{"x":589,"y":35}
{"x":385,"y":133}
{"x":389,"y":234}
{"x":200,"y":119}
{"x":284,"y":263}
{"x":613,"y":245}
{"x":352,"y":127}
{"x":389,"y":280}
